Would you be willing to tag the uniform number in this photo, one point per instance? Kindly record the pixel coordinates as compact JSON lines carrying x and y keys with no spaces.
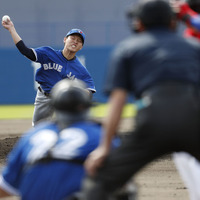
{"x":65,"y":146}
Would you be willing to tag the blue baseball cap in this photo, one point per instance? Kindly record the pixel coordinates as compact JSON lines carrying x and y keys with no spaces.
{"x":77,"y":31}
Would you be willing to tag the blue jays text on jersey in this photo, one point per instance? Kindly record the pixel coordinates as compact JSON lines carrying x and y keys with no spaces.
{"x":55,"y":67}
{"x":58,"y":178}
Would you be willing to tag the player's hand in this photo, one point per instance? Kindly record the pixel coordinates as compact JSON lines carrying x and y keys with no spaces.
{"x":95,"y":160}
{"x":8,"y":24}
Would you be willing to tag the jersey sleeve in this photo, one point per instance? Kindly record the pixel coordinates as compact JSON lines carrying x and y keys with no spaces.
{"x":7,"y":187}
{"x":41,"y":54}
{"x":12,"y":171}
{"x":84,"y":75}
{"x":89,"y":81}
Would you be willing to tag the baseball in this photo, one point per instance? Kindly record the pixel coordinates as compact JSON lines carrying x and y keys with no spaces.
{"x":5,"y":18}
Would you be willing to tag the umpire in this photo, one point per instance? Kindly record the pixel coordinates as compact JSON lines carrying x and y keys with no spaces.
{"x":162,"y":70}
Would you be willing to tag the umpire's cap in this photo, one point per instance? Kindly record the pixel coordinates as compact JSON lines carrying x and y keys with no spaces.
{"x":152,"y":12}
{"x":70,"y":96}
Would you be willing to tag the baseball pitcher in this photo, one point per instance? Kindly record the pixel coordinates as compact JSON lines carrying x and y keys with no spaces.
{"x":55,"y":66}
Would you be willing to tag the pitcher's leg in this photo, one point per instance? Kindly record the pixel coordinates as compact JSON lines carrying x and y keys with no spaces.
{"x":42,"y":108}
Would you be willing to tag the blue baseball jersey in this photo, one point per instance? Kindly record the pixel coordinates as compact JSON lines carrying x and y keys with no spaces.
{"x":55,"y":67}
{"x":56,"y":179}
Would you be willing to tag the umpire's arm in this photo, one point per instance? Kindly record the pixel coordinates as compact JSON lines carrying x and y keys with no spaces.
{"x":115,"y":106}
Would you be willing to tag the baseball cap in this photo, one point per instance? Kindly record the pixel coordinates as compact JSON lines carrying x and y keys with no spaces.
{"x":77,"y":31}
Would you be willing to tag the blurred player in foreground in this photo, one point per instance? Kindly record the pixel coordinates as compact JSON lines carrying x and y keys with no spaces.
{"x":47,"y":162}
{"x":162,"y":70}
{"x":55,"y":66}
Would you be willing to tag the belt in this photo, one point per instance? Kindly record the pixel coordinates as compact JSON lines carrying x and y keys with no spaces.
{"x":50,"y":159}
{"x":171,"y":87}
{"x":45,"y":93}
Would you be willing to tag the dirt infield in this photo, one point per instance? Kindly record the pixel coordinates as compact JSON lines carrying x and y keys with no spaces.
{"x":157,"y":181}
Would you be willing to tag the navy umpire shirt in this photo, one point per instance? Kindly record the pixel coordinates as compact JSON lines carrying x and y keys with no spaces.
{"x":150,"y":57}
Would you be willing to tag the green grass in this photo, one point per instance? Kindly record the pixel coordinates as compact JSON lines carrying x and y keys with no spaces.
{"x":101,"y":109}
{"x":26,"y":111}
{"x":16,"y":111}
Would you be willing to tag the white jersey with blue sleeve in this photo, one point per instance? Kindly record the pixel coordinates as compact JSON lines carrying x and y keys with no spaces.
{"x":55,"y":67}
{"x":27,"y":175}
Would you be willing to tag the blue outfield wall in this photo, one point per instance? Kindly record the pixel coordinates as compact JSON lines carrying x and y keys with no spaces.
{"x":17,"y":85}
